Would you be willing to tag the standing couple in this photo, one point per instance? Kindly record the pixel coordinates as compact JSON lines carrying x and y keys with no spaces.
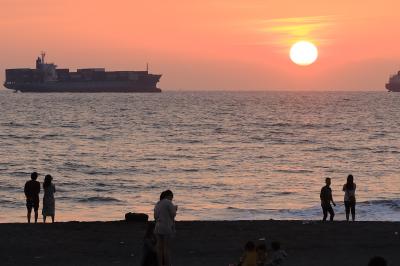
{"x":349,"y":199}
{"x":32,"y":190}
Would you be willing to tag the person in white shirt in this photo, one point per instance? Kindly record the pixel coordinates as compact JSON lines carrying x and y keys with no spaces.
{"x":164,"y":216}
{"x":350,"y":197}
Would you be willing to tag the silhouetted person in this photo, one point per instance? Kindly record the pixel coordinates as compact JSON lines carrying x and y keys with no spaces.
{"x":32,"y":190}
{"x":149,"y":257}
{"x":377,"y":261}
{"x":326,"y":199}
{"x":278,"y":256}
{"x":350,"y":197}
{"x":48,"y":198}
{"x":164,"y":215}
{"x":249,"y":257}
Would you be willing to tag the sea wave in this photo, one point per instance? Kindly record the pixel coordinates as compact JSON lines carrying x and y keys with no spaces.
{"x":390,"y":203}
{"x":374,"y":210}
{"x":99,"y":199}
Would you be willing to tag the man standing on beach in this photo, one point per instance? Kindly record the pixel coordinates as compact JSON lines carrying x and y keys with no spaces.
{"x":326,"y":199}
{"x":32,"y":190}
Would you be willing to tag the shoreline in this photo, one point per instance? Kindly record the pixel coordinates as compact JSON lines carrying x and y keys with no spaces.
{"x":303,"y":221}
{"x":199,"y":242}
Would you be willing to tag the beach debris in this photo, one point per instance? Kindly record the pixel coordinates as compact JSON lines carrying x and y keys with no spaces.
{"x":396,"y":233}
{"x":122,"y":243}
{"x":262,"y":239}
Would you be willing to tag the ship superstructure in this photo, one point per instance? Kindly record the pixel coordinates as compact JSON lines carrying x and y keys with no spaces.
{"x":46,"y":77}
{"x":394,"y":83}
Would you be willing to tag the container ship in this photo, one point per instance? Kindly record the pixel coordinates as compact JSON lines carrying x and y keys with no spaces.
{"x":46,"y":77}
{"x":394,"y":83}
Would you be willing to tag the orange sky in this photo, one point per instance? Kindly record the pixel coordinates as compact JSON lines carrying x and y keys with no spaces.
{"x":210,"y":44}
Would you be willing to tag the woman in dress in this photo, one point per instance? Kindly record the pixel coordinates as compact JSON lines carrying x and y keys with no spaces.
{"x":164,"y":216}
{"x":48,"y":198}
{"x":350,"y":197}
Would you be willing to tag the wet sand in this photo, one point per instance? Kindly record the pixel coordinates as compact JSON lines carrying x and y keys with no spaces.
{"x":199,"y":243}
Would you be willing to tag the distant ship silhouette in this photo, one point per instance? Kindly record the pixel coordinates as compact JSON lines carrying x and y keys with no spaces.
{"x":394,"y":83}
{"x":47,"y":78}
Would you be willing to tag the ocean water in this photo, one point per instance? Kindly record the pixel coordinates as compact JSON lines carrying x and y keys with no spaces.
{"x":225,"y":155}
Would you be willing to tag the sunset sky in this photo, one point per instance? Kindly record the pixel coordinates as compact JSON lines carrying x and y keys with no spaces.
{"x":210,"y":45}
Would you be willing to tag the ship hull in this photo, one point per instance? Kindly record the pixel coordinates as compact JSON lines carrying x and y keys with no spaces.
{"x":393,"y":87}
{"x":82,"y":86}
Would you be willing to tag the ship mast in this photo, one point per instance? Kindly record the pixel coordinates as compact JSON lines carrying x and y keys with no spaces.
{"x":43,"y":54}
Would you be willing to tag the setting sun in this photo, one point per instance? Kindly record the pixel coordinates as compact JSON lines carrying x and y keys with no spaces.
{"x":303,"y":53}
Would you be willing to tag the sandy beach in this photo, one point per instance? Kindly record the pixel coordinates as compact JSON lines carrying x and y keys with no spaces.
{"x":199,"y":243}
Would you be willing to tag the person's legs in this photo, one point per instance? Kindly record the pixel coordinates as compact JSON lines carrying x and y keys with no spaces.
{"x":353,"y":211}
{"x":44,"y":219}
{"x":325,"y":212}
{"x":331,"y":213}
{"x":167,"y":252}
{"x":28,"y":210}
{"x":52,"y":218}
{"x":160,"y":249}
{"x":347,"y":207}
{"x":28,"y":215}
{"x":36,"y":209}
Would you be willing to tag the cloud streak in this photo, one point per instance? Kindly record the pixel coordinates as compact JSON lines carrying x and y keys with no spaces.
{"x":283,"y":32}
